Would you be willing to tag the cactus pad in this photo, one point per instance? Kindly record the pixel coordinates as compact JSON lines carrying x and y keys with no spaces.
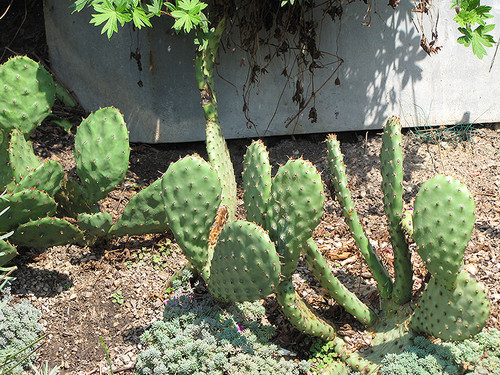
{"x":144,"y":213}
{"x":443,"y":219}
{"x":391,"y":168}
{"x":96,"y":225}
{"x":297,"y":198}
{"x":341,"y":190}
{"x":192,"y":191}
{"x":6,"y":173}
{"x":301,"y":316}
{"x":256,"y":181}
{"x":7,"y":252}
{"x":452,"y":315}
{"x":343,"y":296}
{"x":28,"y":93}
{"x":47,"y":177}
{"x":21,"y":156}
{"x":245,"y":265}
{"x":101,"y":152}
{"x":220,"y":160}
{"x":46,"y":232}
{"x":24,"y":206}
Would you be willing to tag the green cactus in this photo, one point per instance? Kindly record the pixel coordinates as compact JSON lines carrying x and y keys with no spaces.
{"x":256,"y":182}
{"x":218,"y":152}
{"x":297,"y":207}
{"x":47,"y":232}
{"x":95,"y":225}
{"x":101,"y":152}
{"x":48,"y":177}
{"x":391,"y":168}
{"x":443,"y":220}
{"x":7,"y":252}
{"x":339,"y":179}
{"x":454,"y":314}
{"x":144,"y":213}
{"x":22,"y":159}
{"x":301,"y":316}
{"x":192,"y":189}
{"x":245,"y":265}
{"x":335,"y":288}
{"x":27,"y":94}
{"x":289,"y":207}
{"x":24,"y":206}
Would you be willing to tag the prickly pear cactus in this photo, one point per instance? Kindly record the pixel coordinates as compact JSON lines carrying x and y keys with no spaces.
{"x":7,"y":252}
{"x":27,"y":94}
{"x":193,"y":192}
{"x":24,"y":206}
{"x":101,"y":152}
{"x":454,"y":314}
{"x":443,"y":220}
{"x":245,"y":265}
{"x":256,"y":182}
{"x":48,"y":177}
{"x":46,"y":232}
{"x":95,"y":225}
{"x":144,"y":213}
{"x":22,"y":159}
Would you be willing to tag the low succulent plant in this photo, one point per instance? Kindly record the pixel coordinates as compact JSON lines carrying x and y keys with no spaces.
{"x":246,"y":260}
{"x":202,"y":336}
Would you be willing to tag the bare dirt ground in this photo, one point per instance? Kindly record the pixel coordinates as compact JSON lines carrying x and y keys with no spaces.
{"x":116,"y":289}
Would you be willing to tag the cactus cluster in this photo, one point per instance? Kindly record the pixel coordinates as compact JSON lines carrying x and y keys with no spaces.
{"x":47,"y":207}
{"x":253,"y":258}
{"x":245,"y":260}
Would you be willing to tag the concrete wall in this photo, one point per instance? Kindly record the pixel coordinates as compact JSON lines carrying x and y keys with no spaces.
{"x":384,"y":72}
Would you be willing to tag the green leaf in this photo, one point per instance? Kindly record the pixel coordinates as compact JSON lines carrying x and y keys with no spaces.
{"x":110,"y":16}
{"x":78,"y":5}
{"x":477,"y":38}
{"x":140,"y":18}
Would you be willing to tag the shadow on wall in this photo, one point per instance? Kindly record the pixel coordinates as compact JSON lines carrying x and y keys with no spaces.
{"x":379,"y":61}
{"x":391,"y":51}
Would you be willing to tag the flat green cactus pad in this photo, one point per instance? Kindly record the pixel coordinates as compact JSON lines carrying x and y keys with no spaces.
{"x":144,"y":213}
{"x":6,"y":174}
{"x":7,"y":252}
{"x":96,"y":225}
{"x":245,"y":265}
{"x":297,"y":197}
{"x":192,"y":191}
{"x":443,"y":219}
{"x":101,"y":152}
{"x":47,"y":177}
{"x":47,"y":232}
{"x":22,"y":159}
{"x":256,"y":182}
{"x":24,"y":206}
{"x":220,"y":160}
{"x":452,"y":315}
{"x":27,"y":94}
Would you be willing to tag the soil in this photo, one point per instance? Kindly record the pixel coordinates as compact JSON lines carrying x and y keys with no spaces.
{"x":114,"y":290}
